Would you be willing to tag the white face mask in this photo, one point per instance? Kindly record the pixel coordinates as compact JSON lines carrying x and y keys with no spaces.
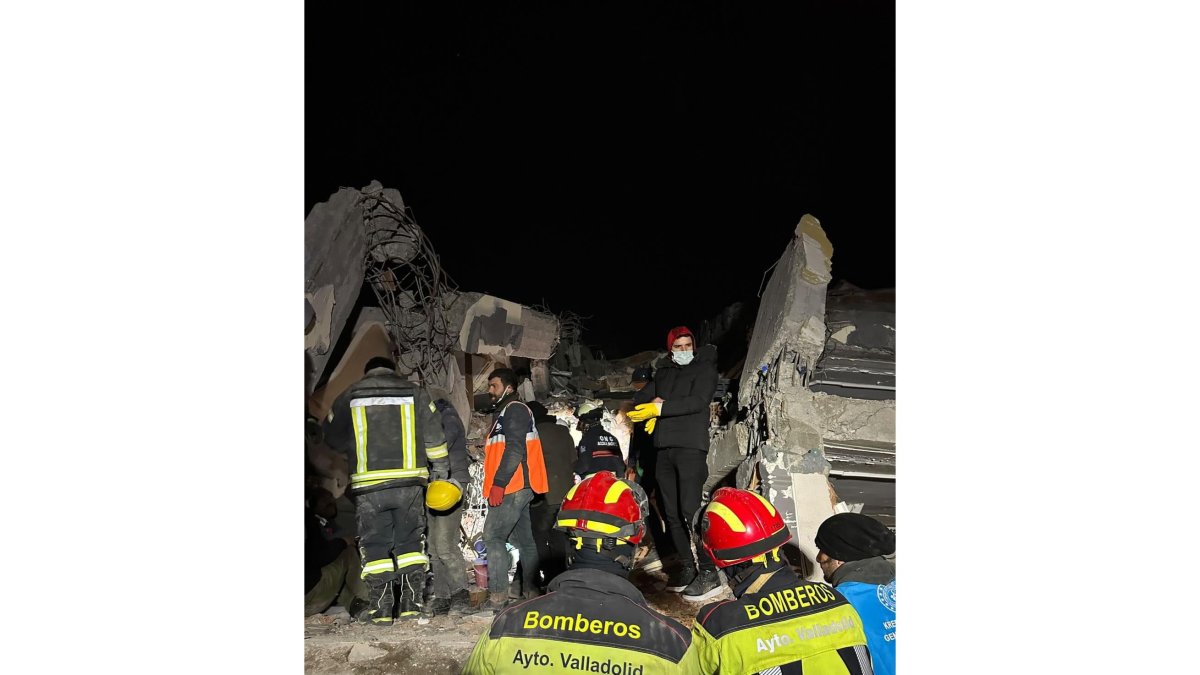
{"x":682,"y":358}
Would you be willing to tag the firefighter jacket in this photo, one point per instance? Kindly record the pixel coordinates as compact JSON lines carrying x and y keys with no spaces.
{"x":779,"y":621}
{"x":589,"y":621}
{"x":512,"y":453}
{"x":687,"y":392}
{"x":390,"y":430}
{"x":870,"y":585}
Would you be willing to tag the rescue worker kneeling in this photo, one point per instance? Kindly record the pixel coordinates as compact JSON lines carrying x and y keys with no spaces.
{"x":591,"y":619}
{"x":777,"y":622}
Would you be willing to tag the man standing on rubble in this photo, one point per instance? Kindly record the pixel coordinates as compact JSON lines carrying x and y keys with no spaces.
{"x":391,"y":431}
{"x":593,"y":619}
{"x":852,"y":557}
{"x":558,"y":451}
{"x":675,"y":407}
{"x":449,"y":571}
{"x":513,"y":471}
{"x":642,"y":466}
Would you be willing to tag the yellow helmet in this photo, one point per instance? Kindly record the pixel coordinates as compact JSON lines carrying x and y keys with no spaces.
{"x":442,"y":495}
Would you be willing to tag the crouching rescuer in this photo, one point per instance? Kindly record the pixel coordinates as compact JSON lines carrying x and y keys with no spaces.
{"x":777,"y":622}
{"x":394,"y":437}
{"x":592,"y":619}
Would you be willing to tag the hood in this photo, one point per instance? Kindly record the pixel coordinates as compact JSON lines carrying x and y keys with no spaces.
{"x":705,"y":354}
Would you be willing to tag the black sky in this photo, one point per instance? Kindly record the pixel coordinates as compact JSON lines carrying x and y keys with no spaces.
{"x":638,"y":162}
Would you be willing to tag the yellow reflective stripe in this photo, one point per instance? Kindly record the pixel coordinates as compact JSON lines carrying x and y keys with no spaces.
{"x":389,"y":474}
{"x":403,"y":561}
{"x":571,"y":493}
{"x":770,"y":507}
{"x":378,"y":567}
{"x":410,"y":436}
{"x":730,"y":518}
{"x":437,"y":451}
{"x":432,"y":407}
{"x":358,"y":416}
{"x":592,"y":526}
{"x":614,"y":492}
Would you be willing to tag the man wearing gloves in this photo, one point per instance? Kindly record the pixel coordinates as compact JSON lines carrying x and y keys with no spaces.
{"x":675,"y":407}
{"x":390,"y":430}
{"x":449,"y":574}
{"x":852,"y":549}
{"x":513,"y":471}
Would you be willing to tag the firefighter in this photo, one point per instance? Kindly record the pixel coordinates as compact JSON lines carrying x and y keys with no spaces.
{"x":592,"y":619}
{"x":393,"y":436}
{"x":598,"y":450}
{"x":776,"y":621}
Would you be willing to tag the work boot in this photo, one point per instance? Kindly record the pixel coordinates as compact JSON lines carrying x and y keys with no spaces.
{"x":706,"y":585}
{"x":436,"y":606}
{"x":460,"y":602}
{"x":380,"y":604}
{"x":495,"y":602}
{"x":680,"y":578}
{"x":410,"y":604}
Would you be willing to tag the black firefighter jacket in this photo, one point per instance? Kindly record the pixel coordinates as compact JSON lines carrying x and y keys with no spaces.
{"x":687,"y":392}
{"x":390,"y":431}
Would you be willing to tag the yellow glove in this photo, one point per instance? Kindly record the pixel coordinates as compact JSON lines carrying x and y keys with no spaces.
{"x":650,"y":425}
{"x":644,"y":412}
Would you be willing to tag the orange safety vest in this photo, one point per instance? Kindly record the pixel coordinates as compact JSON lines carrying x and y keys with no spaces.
{"x":493,"y":450}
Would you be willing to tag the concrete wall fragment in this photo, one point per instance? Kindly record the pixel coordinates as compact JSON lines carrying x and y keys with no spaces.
{"x":334,"y":253}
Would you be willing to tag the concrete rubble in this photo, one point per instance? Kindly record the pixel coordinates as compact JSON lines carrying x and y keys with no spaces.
{"x":811,"y":404}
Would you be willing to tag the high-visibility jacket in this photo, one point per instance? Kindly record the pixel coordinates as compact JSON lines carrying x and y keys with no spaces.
{"x":513,"y":452}
{"x":589,"y":621}
{"x":390,"y":430}
{"x":781,"y":622}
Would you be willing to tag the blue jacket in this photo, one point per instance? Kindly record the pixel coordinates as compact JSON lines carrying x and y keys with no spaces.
{"x":870,"y":585}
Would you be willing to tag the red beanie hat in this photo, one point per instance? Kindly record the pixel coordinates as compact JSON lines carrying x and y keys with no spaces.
{"x":676,"y":333}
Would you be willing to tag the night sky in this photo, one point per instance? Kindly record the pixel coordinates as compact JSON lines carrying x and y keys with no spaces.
{"x":572,"y":153}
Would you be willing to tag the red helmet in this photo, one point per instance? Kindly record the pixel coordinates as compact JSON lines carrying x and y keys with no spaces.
{"x":603,"y":505}
{"x":739,"y":525}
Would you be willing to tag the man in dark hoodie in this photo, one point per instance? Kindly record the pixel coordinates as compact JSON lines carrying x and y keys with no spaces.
{"x":331,"y":569}
{"x":558,"y":451}
{"x":852,"y":557}
{"x":445,"y":557}
{"x":675,"y":407}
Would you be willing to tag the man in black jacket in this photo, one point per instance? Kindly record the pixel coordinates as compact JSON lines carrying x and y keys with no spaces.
{"x":676,"y":408}
{"x":445,"y":556}
{"x":390,"y":431}
{"x":558,"y":450}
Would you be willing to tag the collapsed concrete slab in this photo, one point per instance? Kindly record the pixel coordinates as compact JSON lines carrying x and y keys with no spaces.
{"x":492,"y":325}
{"x":334,"y":260}
{"x":779,"y":447}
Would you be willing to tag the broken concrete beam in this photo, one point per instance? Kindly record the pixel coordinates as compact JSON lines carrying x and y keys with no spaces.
{"x":791,"y":312}
{"x":851,"y":419}
{"x":493,"y":326}
{"x":334,"y":257}
{"x":370,"y":339}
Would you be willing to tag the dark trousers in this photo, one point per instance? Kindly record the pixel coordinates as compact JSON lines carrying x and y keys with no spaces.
{"x":391,"y":528}
{"x":681,"y":475}
{"x":655,"y":527}
{"x":505,"y":523}
{"x":445,"y":555}
{"x":551,"y":543}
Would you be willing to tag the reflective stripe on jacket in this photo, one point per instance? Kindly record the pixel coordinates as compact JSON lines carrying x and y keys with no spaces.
{"x":390,"y":430}
{"x":532,"y":464}
{"x":779,"y":621}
